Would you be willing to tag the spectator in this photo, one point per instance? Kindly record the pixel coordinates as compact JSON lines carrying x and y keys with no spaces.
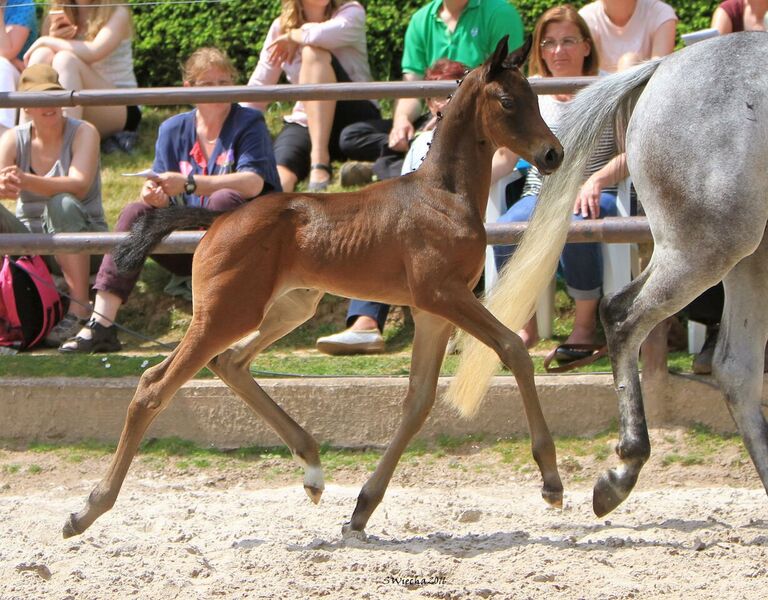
{"x":315,"y":42}
{"x":629,"y":31}
{"x":89,"y":44}
{"x":17,"y":34}
{"x":50,"y":164}
{"x":740,"y":15}
{"x":355,"y":341}
{"x":563,"y":47}
{"x":216,"y":155}
{"x":466,"y":31}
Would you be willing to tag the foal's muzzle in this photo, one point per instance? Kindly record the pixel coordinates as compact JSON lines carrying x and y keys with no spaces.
{"x":549,"y":159}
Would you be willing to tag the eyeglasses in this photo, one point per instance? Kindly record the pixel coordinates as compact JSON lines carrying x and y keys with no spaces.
{"x":567,"y":43}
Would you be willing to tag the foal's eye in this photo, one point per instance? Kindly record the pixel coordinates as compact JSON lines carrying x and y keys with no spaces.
{"x":507,"y":102}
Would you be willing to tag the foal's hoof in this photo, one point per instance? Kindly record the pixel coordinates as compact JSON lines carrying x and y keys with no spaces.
{"x":70,"y":528}
{"x":553,"y":497}
{"x":352,"y":534}
{"x":314,"y":493}
{"x":608,"y":494}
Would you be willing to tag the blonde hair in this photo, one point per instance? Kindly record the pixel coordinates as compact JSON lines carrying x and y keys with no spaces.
{"x":292,"y":15}
{"x":98,"y":15}
{"x":203,"y":59}
{"x":561,"y":14}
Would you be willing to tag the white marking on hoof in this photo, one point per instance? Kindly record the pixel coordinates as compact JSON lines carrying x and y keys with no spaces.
{"x":314,"y":483}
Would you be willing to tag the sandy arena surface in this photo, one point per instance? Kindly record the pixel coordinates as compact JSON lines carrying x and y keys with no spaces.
{"x":441,"y":532}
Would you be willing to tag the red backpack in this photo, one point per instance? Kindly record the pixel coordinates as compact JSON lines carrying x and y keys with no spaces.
{"x":30,"y":305}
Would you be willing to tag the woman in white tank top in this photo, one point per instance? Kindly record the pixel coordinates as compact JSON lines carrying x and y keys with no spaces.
{"x":89,"y":43}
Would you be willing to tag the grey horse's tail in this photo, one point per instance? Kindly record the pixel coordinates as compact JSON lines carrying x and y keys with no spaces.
{"x":609,"y":100}
{"x":153,"y":226}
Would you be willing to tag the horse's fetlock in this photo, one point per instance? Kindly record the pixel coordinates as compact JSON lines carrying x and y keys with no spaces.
{"x":634,"y":450}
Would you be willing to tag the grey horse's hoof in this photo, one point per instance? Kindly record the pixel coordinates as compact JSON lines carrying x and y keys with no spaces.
{"x":607,"y":495}
{"x":70,"y":528}
{"x":352,"y":534}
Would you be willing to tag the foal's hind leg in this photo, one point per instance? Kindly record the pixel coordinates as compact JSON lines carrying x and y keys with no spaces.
{"x":740,"y":353}
{"x":155,"y":391}
{"x":430,"y":339}
{"x":233,"y":366}
{"x":665,"y":287}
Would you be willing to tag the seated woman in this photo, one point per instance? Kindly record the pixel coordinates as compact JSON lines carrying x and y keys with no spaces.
{"x":563,"y":47}
{"x":18,"y":28}
{"x":50,"y":164}
{"x":740,"y":15}
{"x":89,"y":43}
{"x":315,"y":42}
{"x":626,"y":32}
{"x":217,"y":155}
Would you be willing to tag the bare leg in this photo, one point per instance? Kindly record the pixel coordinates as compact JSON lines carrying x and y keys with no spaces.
{"x":316,"y":68}
{"x":288,"y":179}
{"x":431,"y":337}
{"x":288,"y":312}
{"x":76,"y":269}
{"x":74,"y":74}
{"x":584,"y":322}
{"x":740,"y":353}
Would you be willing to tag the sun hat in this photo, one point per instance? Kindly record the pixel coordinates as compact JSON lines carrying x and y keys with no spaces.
{"x":39,"y":78}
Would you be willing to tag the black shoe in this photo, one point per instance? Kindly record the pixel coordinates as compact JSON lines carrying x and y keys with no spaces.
{"x":103,"y":339}
{"x":702,"y":362}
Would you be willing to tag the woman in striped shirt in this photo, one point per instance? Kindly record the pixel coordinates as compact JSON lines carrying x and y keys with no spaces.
{"x":563,"y":47}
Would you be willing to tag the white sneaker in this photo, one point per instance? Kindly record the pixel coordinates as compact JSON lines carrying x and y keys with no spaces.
{"x":368,"y":341}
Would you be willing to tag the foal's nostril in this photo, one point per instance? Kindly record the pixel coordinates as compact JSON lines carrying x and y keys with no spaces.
{"x":553,"y":158}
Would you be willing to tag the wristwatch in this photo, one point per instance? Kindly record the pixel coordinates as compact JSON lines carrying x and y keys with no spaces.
{"x":190,"y":186}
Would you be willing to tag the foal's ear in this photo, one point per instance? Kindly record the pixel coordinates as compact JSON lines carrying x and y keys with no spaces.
{"x":496,"y":62}
{"x":519,"y":56}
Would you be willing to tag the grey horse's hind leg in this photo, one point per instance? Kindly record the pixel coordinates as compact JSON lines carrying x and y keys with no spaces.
{"x":739,"y":355}
{"x":661,"y":290}
{"x":233,"y":366}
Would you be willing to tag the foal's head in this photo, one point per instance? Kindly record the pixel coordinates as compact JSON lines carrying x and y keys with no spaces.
{"x":510,"y":109}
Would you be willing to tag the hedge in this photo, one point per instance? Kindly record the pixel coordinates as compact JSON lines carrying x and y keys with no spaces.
{"x":166,"y":34}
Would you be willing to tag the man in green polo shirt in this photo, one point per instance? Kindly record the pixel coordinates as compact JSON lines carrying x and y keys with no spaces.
{"x":466,"y":31}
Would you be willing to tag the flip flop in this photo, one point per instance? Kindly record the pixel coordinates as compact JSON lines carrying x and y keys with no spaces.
{"x":571,"y":356}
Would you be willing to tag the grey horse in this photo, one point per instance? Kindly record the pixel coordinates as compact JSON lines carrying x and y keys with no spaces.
{"x":697,"y":150}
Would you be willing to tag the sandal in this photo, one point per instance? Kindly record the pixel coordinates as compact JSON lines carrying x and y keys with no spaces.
{"x":571,"y":356}
{"x":320,"y":186}
{"x":103,"y":339}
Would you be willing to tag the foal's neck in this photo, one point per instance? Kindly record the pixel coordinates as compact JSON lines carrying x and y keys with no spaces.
{"x":459,"y":159}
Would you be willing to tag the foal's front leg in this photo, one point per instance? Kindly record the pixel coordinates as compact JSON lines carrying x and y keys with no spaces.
{"x":430,"y":339}
{"x":467,"y":312}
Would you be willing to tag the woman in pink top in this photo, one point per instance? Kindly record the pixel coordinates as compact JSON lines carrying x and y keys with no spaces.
{"x":740,"y":15}
{"x":629,"y":31}
{"x":315,"y":41}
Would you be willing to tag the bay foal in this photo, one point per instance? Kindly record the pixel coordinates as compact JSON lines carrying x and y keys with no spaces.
{"x":263,"y":268}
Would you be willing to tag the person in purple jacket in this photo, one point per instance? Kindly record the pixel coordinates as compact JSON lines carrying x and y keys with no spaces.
{"x":217,"y":156}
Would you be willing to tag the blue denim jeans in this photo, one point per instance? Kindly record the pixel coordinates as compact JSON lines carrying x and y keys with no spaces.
{"x":580,"y":264}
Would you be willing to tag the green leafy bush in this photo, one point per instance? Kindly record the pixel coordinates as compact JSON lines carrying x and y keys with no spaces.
{"x":167,"y":33}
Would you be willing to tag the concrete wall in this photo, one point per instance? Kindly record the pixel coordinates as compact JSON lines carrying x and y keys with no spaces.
{"x":342,"y":412}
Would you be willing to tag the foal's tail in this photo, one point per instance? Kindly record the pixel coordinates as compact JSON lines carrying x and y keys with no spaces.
{"x":153,"y":226}
{"x":608,"y":101}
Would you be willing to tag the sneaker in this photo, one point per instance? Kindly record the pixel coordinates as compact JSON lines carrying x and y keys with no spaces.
{"x":127,"y":140}
{"x":702,"y":362}
{"x":352,"y":342}
{"x":103,"y":339}
{"x":63,"y":330}
{"x":354,"y":173}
